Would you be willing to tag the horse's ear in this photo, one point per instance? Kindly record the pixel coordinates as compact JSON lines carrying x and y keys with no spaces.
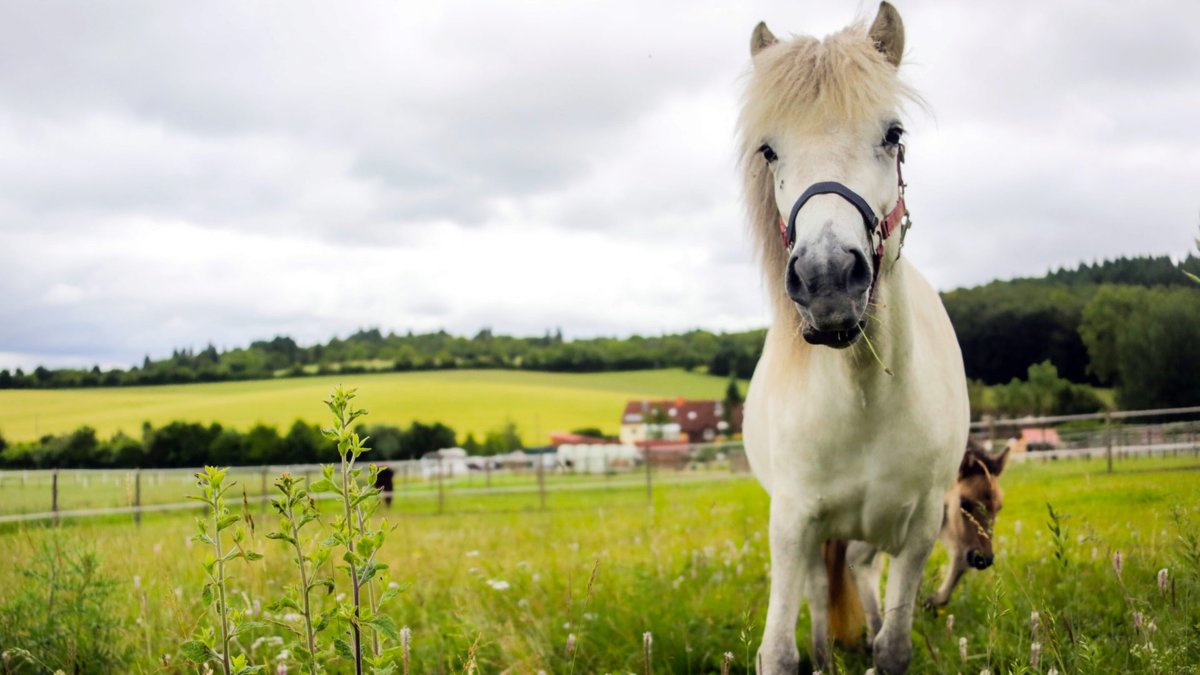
{"x":761,"y":38}
{"x":887,"y":32}
{"x":1000,"y":461}
{"x":971,"y":464}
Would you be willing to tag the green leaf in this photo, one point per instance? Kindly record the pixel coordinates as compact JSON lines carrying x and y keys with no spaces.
{"x":281,"y":537}
{"x":252,"y":556}
{"x":226,"y":521}
{"x":196,"y":651}
{"x":324,"y":485}
{"x":247,"y":627}
{"x":384,"y":625}
{"x":283,"y":603}
{"x":343,"y":649}
{"x":207,"y":595}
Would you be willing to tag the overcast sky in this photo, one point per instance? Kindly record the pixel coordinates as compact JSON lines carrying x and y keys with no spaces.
{"x":177,"y":173}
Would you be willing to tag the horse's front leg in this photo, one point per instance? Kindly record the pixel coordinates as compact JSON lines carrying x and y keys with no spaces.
{"x":893,"y":646}
{"x":797,"y":568}
{"x":954,"y":571}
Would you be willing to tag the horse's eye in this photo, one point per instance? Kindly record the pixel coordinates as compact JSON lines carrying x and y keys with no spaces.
{"x":893,"y":135}
{"x":768,"y":153}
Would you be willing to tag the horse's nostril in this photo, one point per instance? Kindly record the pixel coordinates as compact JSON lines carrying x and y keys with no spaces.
{"x":858,"y":272}
{"x":797,"y":290}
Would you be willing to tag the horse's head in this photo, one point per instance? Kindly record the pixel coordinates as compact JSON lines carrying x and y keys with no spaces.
{"x":820,"y":134}
{"x":974,"y":503}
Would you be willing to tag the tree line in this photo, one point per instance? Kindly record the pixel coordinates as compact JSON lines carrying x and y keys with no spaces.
{"x":190,"y":444}
{"x":1080,"y":320}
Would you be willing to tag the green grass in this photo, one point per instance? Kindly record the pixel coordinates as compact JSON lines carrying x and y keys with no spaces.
{"x":693,"y":571}
{"x":466,"y":400}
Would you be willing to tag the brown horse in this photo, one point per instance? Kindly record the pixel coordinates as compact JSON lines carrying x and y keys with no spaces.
{"x":970,"y":517}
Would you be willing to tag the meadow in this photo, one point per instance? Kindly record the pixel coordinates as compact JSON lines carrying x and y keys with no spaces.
{"x":469,"y":401}
{"x":500,"y":585}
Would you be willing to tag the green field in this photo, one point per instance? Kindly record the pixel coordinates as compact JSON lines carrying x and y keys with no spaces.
{"x":466,"y":400}
{"x":692,"y":571}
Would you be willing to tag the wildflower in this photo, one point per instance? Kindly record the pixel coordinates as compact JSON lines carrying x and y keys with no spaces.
{"x":498,"y":584}
{"x":949,"y":625}
{"x":1052,"y":671}
{"x":393,"y":585}
{"x":1162,"y":580}
{"x":1151,"y":627}
{"x":406,"y":646}
{"x":726,"y":662}
{"x":570,"y":643}
{"x":1138,"y":620}
{"x":647,"y":642}
{"x":284,"y":655}
{"x":1034,"y":620}
{"x":281,"y":669}
{"x":137,"y":581}
{"x":1117,"y":564}
{"x":962,"y":649}
{"x":292,"y":616}
{"x":472,"y":554}
{"x":1017,"y":527}
{"x":1035,"y":655}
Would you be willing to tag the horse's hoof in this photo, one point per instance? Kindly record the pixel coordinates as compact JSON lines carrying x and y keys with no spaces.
{"x":892,"y":657}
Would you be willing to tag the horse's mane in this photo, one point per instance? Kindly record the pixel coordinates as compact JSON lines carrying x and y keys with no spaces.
{"x":803,"y":84}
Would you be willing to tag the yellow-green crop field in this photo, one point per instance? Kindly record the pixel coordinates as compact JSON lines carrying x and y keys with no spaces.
{"x":466,"y":400}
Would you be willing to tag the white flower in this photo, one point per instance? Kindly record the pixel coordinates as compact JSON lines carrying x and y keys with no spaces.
{"x":292,"y":616}
{"x":137,"y":581}
{"x":473,"y":554}
{"x":962,"y":649}
{"x":284,"y":655}
{"x":393,"y":585}
{"x":1162,"y":580}
{"x":498,"y":584}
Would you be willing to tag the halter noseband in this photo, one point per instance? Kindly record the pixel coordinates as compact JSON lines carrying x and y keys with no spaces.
{"x":897,"y":217}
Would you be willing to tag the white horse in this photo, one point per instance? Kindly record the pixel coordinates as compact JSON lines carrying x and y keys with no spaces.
{"x":857,"y":415}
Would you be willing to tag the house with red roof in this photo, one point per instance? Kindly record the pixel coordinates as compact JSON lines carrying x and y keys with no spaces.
{"x":678,"y":420}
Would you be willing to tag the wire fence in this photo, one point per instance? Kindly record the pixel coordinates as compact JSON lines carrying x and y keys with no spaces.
{"x":457,"y":484}
{"x":432,"y":486}
{"x":1114,"y":435}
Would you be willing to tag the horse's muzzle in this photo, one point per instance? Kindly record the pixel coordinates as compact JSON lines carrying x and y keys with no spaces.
{"x":838,"y":339}
{"x":978,"y":560}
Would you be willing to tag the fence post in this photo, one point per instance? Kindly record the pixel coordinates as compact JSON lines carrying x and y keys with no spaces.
{"x":54,"y":495}
{"x":541,"y":478}
{"x":1108,"y":438}
{"x":487,"y":469}
{"x":649,"y":481}
{"x":441,"y":489}
{"x":137,"y":496}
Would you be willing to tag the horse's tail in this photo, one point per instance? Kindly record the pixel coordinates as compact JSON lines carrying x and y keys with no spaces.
{"x":846,"y":617}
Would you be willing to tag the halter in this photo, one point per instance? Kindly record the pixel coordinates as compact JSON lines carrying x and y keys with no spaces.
{"x":877,"y":231}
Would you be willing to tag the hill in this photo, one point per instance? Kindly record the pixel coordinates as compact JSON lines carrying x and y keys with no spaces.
{"x":469,"y":401}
